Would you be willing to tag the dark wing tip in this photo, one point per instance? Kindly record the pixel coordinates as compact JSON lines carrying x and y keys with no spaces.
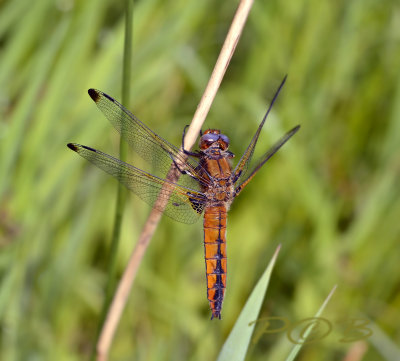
{"x":77,"y":147}
{"x":72,"y":146}
{"x":94,"y":94}
{"x":296,"y":128}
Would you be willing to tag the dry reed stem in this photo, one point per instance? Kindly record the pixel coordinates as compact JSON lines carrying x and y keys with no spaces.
{"x":125,"y":284}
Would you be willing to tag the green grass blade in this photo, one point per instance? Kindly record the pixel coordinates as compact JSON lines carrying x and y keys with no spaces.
{"x":237,"y":343}
{"x":382,"y":342}
{"x":298,"y":346}
{"x":122,"y":191}
{"x":123,"y":150}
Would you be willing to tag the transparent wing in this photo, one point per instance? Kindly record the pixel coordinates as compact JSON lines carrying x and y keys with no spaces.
{"x":150,"y":146}
{"x":241,"y":170}
{"x":264,"y":158}
{"x":183,"y":205}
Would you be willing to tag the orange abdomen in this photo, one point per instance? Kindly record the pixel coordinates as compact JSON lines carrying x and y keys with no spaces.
{"x":215,"y":256}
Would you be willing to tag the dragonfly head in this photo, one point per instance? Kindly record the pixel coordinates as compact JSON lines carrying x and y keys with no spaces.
{"x":213,"y":138}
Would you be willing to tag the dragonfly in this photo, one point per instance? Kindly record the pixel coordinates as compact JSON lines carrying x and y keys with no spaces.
{"x":206,"y":183}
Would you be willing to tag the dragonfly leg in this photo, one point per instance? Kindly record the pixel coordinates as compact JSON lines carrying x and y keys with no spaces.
{"x":193,"y":154}
{"x":182,"y":171}
{"x":177,"y":166}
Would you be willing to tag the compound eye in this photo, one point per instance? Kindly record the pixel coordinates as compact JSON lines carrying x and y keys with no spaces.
{"x":209,"y":138}
{"x":224,"y":138}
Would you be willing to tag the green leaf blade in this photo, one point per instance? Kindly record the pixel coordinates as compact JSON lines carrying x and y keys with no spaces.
{"x":237,"y":343}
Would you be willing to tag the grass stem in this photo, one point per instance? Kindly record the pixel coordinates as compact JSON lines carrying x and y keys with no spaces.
{"x":121,"y":191}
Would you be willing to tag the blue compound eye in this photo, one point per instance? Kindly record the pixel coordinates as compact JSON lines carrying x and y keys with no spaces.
{"x":209,"y":138}
{"x":224,"y":138}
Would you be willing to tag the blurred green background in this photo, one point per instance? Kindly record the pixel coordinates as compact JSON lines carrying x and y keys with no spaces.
{"x":330,"y":196}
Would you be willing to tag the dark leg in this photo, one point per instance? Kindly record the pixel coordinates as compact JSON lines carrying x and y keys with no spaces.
{"x":193,"y":154}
